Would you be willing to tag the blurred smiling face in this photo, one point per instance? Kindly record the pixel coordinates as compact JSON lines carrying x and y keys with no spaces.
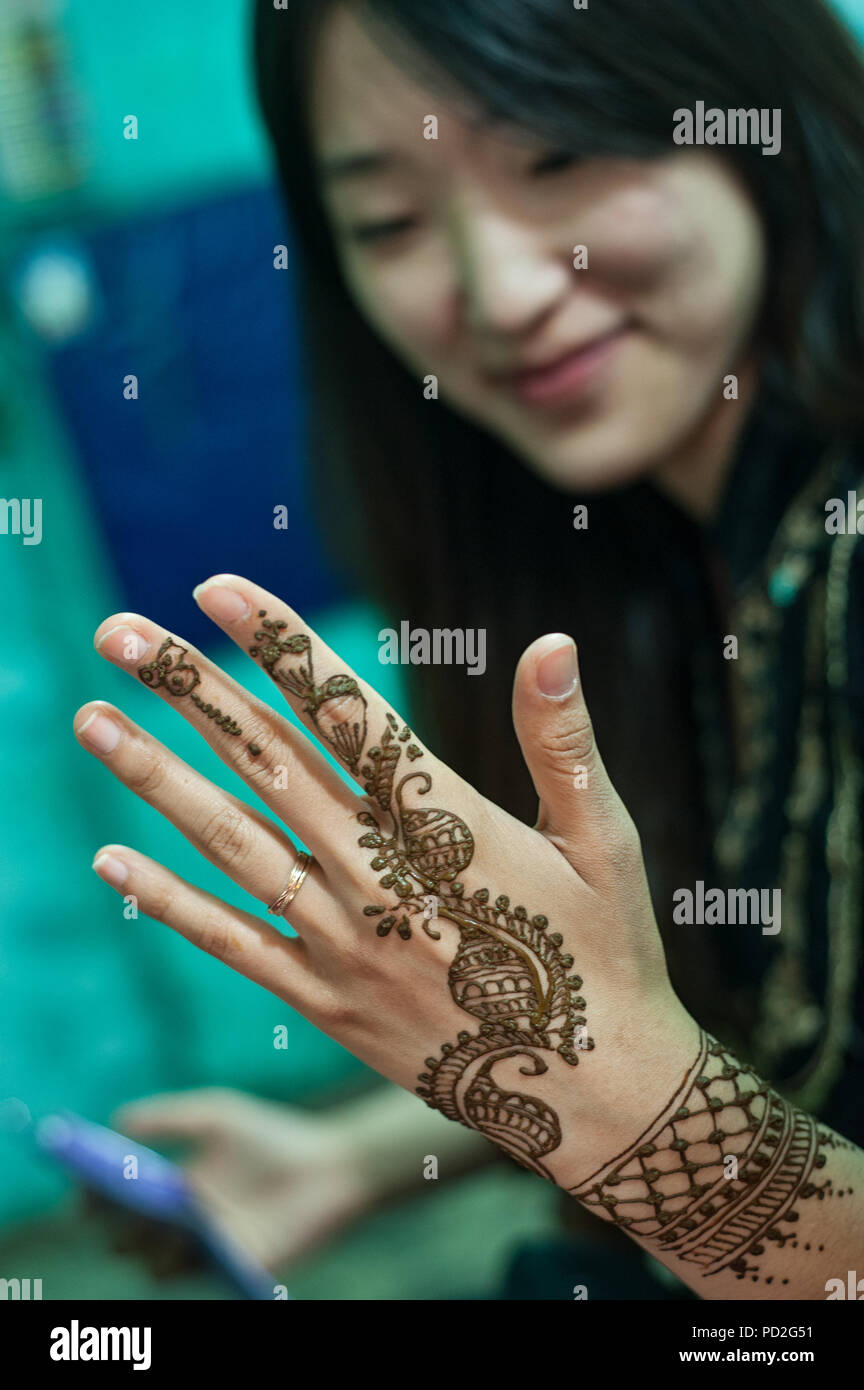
{"x":460,"y":252}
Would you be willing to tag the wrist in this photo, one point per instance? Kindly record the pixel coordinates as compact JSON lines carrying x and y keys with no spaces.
{"x":624,"y":1099}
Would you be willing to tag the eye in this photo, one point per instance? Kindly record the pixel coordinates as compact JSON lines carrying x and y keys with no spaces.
{"x":555,"y":162}
{"x":369,"y":232}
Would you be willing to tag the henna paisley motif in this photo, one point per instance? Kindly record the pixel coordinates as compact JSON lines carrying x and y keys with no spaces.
{"x":508,"y":972}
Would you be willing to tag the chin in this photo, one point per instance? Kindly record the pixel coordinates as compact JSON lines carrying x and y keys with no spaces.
{"x":601,"y":457}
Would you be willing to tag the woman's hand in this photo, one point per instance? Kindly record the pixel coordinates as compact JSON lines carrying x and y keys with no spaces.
{"x":514,"y":977}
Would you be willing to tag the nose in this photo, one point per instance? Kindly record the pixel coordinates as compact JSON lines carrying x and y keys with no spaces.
{"x":509,"y":279}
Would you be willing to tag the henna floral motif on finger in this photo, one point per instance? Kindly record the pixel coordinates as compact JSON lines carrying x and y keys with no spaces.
{"x":170,"y":672}
{"x":337,"y":708}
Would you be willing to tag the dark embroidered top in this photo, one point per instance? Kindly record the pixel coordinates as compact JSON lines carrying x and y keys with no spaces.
{"x":789,"y":814}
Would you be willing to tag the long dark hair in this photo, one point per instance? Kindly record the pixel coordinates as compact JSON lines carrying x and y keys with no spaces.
{"x":439,"y":521}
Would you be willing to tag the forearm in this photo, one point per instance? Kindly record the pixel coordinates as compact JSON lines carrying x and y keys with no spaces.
{"x":738,"y":1193}
{"x":393,"y":1135}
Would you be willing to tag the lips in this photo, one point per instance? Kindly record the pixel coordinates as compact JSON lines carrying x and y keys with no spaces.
{"x":567,"y":376}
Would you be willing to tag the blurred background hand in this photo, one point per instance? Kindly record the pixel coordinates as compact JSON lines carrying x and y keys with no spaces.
{"x":279,"y":1179}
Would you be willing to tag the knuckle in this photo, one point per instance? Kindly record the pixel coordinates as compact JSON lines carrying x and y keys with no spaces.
{"x":160,"y":904}
{"x":224,"y":835}
{"x":336,"y":1015}
{"x":271,"y":752}
{"x":623,"y":845}
{"x":217,"y":940}
{"x":568,"y":742}
{"x":147,"y":776}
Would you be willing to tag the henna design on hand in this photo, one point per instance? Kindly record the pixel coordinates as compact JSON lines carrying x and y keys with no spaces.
{"x":179,"y":677}
{"x":336,"y":708}
{"x":508,"y":971}
{"x":168,"y":669}
{"x":670,"y":1185}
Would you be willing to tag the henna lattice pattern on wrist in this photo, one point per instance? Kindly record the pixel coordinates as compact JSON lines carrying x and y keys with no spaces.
{"x":717,"y":1177}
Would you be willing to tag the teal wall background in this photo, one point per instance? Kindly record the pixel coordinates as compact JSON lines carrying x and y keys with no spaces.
{"x":97,"y":1009}
{"x":184,"y":72}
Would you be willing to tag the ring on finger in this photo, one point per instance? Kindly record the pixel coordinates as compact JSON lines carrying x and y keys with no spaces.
{"x":295,"y":882}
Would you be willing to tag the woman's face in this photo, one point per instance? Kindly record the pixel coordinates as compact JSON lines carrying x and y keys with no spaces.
{"x":460,"y":252}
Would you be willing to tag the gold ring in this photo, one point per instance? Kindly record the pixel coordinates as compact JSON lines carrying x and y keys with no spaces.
{"x":294,"y":884}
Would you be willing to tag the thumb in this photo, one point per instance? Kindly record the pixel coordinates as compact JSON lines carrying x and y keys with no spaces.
{"x":580,"y":811}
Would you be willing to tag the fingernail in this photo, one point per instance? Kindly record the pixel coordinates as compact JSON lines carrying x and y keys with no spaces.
{"x":222,"y":604}
{"x":123,"y":643}
{"x":111,"y":869}
{"x":100,"y":732}
{"x":556,"y":670}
